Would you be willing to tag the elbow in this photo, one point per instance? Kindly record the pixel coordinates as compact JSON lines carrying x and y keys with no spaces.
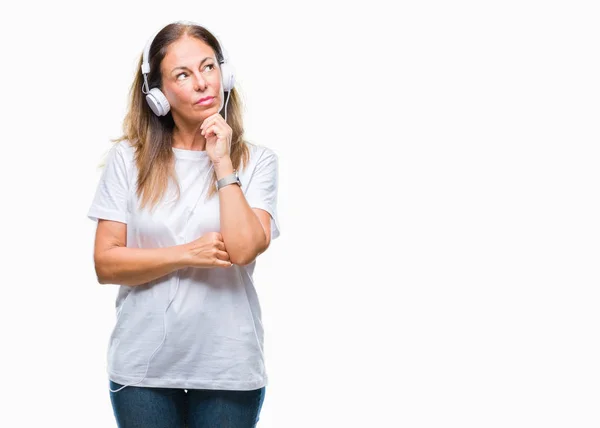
{"x":242,"y":259}
{"x":102,"y":275}
{"x":246,"y":255}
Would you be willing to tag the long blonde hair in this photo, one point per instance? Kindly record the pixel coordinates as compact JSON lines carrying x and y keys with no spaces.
{"x":152,"y":136}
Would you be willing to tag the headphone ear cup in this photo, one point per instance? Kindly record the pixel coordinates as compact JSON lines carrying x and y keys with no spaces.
{"x":228,"y":79}
{"x":158,"y":102}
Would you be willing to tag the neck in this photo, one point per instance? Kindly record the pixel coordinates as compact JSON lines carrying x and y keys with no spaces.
{"x":188,"y":137}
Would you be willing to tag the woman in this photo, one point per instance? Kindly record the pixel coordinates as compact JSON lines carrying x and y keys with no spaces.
{"x":184,"y":206}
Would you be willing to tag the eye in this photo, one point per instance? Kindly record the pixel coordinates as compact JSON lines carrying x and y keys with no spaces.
{"x":212,"y":66}
{"x":179,"y":76}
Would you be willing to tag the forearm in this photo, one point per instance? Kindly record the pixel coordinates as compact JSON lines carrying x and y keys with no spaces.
{"x":136,"y":266}
{"x":241,"y":229}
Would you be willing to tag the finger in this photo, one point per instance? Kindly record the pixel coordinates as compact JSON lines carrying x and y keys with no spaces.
{"x":222,"y":263}
{"x":207,"y":122}
{"x":207,"y":131}
{"x":214,"y":116}
{"x":218,"y":131}
{"x":220,"y":246}
{"x":222,"y":255}
{"x":219,"y":119}
{"x":211,"y":120}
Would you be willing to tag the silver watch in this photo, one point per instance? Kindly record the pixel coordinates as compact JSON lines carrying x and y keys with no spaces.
{"x":233,"y":178}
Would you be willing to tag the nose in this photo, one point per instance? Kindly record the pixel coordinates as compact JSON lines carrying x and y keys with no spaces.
{"x":199,"y":82}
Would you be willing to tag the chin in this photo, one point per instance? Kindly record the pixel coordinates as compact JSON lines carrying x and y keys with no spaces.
{"x":203,"y":112}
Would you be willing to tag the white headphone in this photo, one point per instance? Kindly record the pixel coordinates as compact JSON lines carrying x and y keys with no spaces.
{"x":156,"y":99}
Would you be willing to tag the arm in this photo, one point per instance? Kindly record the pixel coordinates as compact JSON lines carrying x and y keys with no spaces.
{"x":246,"y":231}
{"x":117,"y":264}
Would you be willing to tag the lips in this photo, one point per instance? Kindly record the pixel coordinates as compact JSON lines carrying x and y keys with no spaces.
{"x":204,"y":99}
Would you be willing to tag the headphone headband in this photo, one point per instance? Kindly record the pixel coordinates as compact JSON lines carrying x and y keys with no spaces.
{"x":146,"y":53}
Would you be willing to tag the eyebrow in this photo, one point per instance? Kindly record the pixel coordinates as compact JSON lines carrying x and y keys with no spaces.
{"x":185,"y":68}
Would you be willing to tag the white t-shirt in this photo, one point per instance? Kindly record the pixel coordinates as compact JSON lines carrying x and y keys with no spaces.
{"x":214,"y":333}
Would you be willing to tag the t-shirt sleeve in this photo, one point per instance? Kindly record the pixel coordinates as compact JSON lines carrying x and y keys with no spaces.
{"x":110,"y":200}
{"x":261,"y":191}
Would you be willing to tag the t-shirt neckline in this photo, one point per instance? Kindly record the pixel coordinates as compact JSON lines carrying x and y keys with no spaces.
{"x":189,"y":154}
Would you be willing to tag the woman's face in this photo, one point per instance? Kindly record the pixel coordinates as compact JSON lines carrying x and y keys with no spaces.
{"x":190,"y":73}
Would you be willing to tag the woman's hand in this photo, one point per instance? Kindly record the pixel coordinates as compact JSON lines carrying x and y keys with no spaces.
{"x":218,"y":135}
{"x":208,"y":251}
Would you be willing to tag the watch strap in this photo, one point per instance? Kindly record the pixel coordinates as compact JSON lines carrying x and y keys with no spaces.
{"x":229,"y":179}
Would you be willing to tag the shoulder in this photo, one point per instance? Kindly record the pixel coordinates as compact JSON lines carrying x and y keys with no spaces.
{"x":122,"y":155}
{"x":120,"y":160}
{"x":125,"y":149}
{"x":260,"y":154}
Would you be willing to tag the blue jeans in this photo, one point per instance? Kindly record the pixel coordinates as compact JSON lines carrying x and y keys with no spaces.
{"x":145,"y":407}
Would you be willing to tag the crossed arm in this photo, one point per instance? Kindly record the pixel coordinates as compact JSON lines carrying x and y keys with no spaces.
{"x":246,"y":233}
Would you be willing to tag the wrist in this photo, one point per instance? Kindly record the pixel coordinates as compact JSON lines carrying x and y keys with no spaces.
{"x":223,"y":167}
{"x":181,"y":256}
